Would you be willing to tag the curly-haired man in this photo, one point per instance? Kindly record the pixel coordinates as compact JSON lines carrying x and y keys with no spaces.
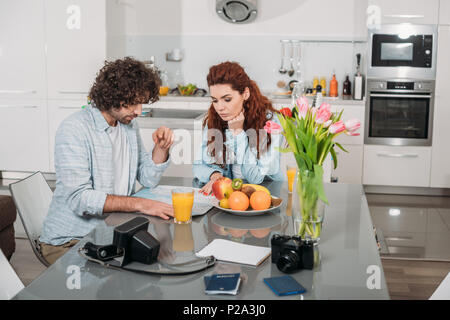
{"x":99,"y":155}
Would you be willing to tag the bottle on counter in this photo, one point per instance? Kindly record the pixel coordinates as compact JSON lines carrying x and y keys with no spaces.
{"x":347,"y":89}
{"x":358,"y":81}
{"x":164,"y":88}
{"x":315,"y":83}
{"x":318,"y":98}
{"x":333,"y":87}
{"x":323,"y":84}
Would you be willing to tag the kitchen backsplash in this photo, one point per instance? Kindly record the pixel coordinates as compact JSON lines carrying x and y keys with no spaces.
{"x":259,"y":55}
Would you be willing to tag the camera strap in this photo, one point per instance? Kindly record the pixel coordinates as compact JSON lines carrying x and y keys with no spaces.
{"x":194,"y":265}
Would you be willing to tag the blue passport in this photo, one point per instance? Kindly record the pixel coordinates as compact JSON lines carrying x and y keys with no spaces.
{"x":225,"y":283}
{"x":284,"y":285}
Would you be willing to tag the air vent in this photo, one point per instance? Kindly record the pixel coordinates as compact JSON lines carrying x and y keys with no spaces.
{"x":237,"y":11}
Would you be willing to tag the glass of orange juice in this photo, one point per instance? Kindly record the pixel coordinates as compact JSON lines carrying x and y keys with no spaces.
{"x":163,"y":90}
{"x":182,"y":200}
{"x":291,"y":172}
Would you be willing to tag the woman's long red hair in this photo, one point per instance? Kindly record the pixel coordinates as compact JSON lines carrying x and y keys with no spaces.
{"x":256,"y":107}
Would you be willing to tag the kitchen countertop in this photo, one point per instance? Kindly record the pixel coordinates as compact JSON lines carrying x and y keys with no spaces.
{"x":275,"y":100}
{"x":348,"y":268}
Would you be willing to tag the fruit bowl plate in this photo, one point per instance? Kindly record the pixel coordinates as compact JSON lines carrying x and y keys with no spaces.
{"x":248,"y":213}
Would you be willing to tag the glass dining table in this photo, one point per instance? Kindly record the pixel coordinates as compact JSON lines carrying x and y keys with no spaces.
{"x":347,"y":266}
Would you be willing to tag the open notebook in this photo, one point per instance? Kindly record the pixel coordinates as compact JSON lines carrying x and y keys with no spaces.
{"x":230,"y":251}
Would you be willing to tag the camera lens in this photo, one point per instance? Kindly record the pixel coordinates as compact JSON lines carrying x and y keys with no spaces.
{"x":288,"y":262}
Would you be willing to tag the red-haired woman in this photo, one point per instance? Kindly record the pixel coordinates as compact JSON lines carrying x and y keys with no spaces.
{"x":234,"y":143}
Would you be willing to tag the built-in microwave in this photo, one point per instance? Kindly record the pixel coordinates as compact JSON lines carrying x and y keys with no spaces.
{"x":403,"y":51}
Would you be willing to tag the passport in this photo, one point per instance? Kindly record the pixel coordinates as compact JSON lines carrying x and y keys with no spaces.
{"x":224,"y":283}
{"x":284,"y":285}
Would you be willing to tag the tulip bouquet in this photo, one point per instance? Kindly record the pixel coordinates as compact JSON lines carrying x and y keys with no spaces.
{"x":310,"y":133}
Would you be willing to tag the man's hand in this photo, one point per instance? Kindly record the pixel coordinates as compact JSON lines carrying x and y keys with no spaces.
{"x":163,"y":138}
{"x":156,"y":208}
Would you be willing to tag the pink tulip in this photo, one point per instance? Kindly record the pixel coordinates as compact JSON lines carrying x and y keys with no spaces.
{"x":303,"y":107}
{"x":272,"y":127}
{"x":302,"y":101}
{"x":352,"y":125}
{"x":323,"y":113}
{"x":337,"y":127}
{"x":327,"y":124}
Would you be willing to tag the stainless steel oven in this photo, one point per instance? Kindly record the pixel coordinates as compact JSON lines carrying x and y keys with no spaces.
{"x":403,"y":51}
{"x":399,"y":112}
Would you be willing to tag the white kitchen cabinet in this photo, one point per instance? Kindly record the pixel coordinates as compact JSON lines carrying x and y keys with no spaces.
{"x":58,"y":110}
{"x":444,"y":12}
{"x":76,"y":46}
{"x":350,"y":165}
{"x":407,"y":11}
{"x":24,"y":132}
{"x":397,"y":166}
{"x":22,"y":49}
{"x":440,"y":157}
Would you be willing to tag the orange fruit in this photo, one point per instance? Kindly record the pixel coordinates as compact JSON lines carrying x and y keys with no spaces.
{"x":260,"y":200}
{"x":238,"y":201}
{"x":260,"y":233}
{"x":237,"y":233}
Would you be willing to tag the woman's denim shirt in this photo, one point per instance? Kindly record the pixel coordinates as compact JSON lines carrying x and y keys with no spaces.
{"x":240,"y":152}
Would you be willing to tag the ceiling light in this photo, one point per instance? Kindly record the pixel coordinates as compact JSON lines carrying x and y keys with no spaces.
{"x":394,"y":212}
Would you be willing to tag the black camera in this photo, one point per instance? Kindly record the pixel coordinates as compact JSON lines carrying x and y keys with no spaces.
{"x":131,"y":241}
{"x":292,"y":253}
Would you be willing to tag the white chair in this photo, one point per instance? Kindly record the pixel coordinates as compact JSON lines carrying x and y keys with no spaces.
{"x":10,"y":283}
{"x":32,"y":197}
{"x":443,"y":291}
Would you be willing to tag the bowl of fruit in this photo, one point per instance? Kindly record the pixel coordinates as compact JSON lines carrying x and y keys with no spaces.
{"x":236,"y":197}
{"x":187,"y":90}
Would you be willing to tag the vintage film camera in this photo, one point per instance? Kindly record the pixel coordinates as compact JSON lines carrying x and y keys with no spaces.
{"x":292,"y":253}
{"x":130,"y":241}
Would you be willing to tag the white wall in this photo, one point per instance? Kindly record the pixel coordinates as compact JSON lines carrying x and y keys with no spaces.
{"x":306,"y":18}
{"x":144,"y":28}
{"x":144,"y":17}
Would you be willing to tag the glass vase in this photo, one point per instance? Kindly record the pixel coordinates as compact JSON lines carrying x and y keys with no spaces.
{"x":307,"y":208}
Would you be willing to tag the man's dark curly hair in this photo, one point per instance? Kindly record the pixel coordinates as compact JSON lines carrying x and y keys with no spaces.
{"x":124,"y":82}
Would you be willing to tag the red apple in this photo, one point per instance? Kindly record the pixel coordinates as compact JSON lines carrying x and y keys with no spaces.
{"x":222,"y":188}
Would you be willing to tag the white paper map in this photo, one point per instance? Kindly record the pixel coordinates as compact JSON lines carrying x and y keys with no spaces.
{"x":202,"y":203}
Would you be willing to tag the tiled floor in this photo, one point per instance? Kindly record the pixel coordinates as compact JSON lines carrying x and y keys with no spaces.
{"x":416,"y":227}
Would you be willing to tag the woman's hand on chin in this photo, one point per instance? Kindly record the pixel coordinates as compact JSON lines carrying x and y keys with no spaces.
{"x":236,"y":125}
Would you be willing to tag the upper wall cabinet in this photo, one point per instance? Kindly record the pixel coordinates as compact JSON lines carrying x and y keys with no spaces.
{"x":411,"y":11}
{"x":22,"y":49}
{"x":444,"y":12}
{"x":76,"y":46}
